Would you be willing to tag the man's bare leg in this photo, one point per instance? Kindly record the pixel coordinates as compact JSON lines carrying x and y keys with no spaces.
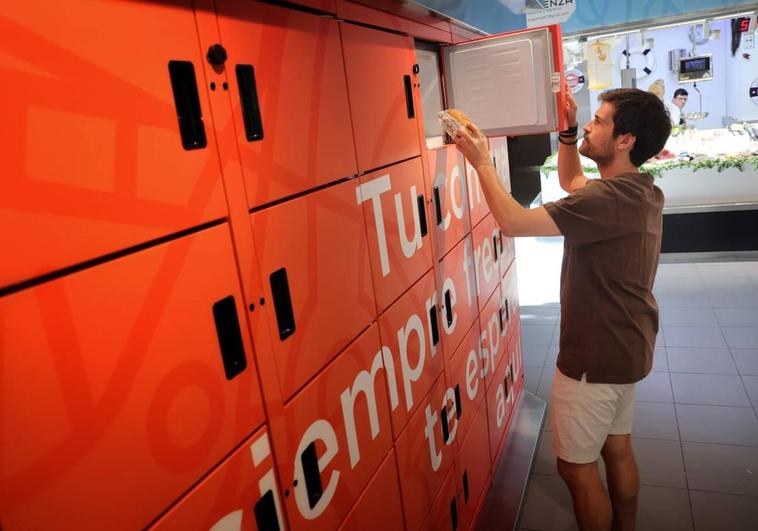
{"x":592,"y":507}
{"x":623,"y":480}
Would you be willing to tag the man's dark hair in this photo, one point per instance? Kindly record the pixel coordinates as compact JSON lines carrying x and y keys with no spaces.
{"x":642,"y":115}
{"x":680,"y":92}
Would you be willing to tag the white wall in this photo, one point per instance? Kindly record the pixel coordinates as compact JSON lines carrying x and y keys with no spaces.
{"x":741,"y":73}
{"x":714,"y":100}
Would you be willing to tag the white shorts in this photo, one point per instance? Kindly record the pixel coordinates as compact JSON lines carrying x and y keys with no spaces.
{"x":584,"y":414}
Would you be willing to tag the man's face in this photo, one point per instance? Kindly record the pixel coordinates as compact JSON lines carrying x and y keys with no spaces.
{"x":680,"y":100}
{"x":599,"y":144}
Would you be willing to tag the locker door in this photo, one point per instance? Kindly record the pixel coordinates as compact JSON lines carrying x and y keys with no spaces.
{"x":411,"y":336}
{"x":500,"y":400}
{"x":330,"y":6}
{"x":486,"y":237}
{"x":289,"y":98}
{"x":106,"y":137}
{"x":143,"y":380}
{"x":473,"y":466}
{"x":333,"y":436}
{"x":509,"y":302}
{"x":493,"y":338}
{"x":425,"y":453}
{"x":509,"y":84}
{"x":241,"y":494}
{"x":394,"y":205}
{"x":458,"y":297}
{"x":315,"y":272}
{"x":450,"y":219}
{"x":464,"y":375}
{"x":478,"y":207}
{"x":380,"y":507}
{"x":445,"y":513}
{"x":380,"y":81}
{"x":499,"y":150}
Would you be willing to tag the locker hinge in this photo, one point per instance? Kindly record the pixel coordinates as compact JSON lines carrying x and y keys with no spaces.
{"x":555,"y":81}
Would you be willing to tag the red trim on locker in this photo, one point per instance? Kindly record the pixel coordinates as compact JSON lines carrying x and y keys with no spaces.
{"x":395,"y":16}
{"x":486,"y":241}
{"x":241,"y":494}
{"x":97,"y":166}
{"x":449,"y":220}
{"x":493,"y":339}
{"x":473,"y":467}
{"x":445,"y":514}
{"x":478,"y":208}
{"x":394,"y":205}
{"x":510,"y":302}
{"x":380,"y":507}
{"x":318,"y":291}
{"x":380,"y":82}
{"x":423,"y":456}
{"x":501,"y":398}
{"x":148,"y":377}
{"x":456,"y":279}
{"x":289,"y":98}
{"x":333,"y":436}
{"x":330,"y":6}
{"x":411,"y":337}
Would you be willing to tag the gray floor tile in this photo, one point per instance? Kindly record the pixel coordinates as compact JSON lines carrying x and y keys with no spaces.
{"x":688,"y":317}
{"x":655,"y":420}
{"x":663,"y":509}
{"x":718,"y":424}
{"x":660,"y":339}
{"x":677,"y":284}
{"x":660,"y":462}
{"x":548,"y":505}
{"x":687,"y":300}
{"x":714,"y":511}
{"x":741,"y":337}
{"x":721,"y":468}
{"x":742,"y":299}
{"x":751,"y":385}
{"x":689,"y":336}
{"x":660,"y":360}
{"x":546,"y":384}
{"x":709,"y":389}
{"x":700,"y":360}
{"x":544,"y":462}
{"x":532,"y":376}
{"x":655,"y":387}
{"x":537,"y":334}
{"x":539,"y":315}
{"x":746,"y":360}
{"x":534,"y":354}
{"x":552,"y":356}
{"x":735,"y":317}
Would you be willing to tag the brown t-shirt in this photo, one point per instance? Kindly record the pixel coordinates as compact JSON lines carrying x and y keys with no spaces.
{"x":609,"y":317}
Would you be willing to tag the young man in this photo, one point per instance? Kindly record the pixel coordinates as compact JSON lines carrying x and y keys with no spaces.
{"x":676,"y":105}
{"x":609,"y":318}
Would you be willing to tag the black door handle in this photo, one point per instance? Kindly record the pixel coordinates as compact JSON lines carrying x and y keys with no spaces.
{"x":507,"y":311}
{"x":421,"y":203}
{"x":313,"y":486}
{"x":409,"y":96}
{"x":435,"y":327}
{"x":443,"y":422}
{"x":500,"y":319}
{"x":280,"y":289}
{"x":448,"y":308}
{"x":251,"y":109}
{"x":453,"y":514}
{"x":437,"y":205}
{"x":187,"y":103}
{"x":458,"y":411}
{"x":265,"y":512}
{"x":229,"y":336}
{"x":465,"y":486}
{"x":505,"y":386}
{"x":494,"y":245}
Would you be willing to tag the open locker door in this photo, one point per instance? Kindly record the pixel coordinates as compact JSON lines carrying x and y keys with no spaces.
{"x":508,"y":84}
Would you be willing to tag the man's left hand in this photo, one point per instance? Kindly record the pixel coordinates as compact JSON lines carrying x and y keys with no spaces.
{"x":473,"y":144}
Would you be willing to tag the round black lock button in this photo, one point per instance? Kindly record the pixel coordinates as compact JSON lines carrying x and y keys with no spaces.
{"x":216,"y":55}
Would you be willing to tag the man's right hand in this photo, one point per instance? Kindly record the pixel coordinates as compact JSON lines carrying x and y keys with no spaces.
{"x":570,"y":108}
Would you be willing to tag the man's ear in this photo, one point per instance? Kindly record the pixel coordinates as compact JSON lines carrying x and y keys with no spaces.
{"x":626,"y":142}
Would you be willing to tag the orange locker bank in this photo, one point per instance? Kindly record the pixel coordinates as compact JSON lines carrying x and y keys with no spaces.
{"x":246,"y":283}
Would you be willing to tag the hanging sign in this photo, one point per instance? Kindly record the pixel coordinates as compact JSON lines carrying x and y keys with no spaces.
{"x":575,"y":79}
{"x":545,"y":12}
{"x":754,"y":91}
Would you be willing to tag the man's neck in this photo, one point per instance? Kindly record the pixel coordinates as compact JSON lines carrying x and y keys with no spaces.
{"x":616,"y":168}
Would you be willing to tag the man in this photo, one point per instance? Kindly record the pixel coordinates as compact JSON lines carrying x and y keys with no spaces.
{"x":676,"y":105}
{"x":609,"y":317}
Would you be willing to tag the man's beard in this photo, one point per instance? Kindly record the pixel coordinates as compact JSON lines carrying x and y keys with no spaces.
{"x":600,"y":158}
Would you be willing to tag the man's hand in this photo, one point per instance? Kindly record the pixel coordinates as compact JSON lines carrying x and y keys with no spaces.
{"x":571,"y":108}
{"x":473,"y":144}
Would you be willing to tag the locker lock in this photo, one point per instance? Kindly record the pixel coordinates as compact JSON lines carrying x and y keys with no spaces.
{"x":416,"y":68}
{"x":216,"y":55}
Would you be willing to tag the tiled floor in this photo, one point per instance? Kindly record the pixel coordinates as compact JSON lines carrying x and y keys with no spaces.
{"x":696,"y":424}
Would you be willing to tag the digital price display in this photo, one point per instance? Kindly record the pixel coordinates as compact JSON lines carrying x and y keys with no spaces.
{"x":698,"y":68}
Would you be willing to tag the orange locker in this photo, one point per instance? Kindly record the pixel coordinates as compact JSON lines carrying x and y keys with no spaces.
{"x":445,"y":514}
{"x":499,"y":150}
{"x":450,"y":219}
{"x":145,"y":378}
{"x":486,"y":238}
{"x":509,"y":301}
{"x":478,"y":207}
{"x":473,"y":466}
{"x":315,"y":271}
{"x":381,"y":83}
{"x":394,"y":204}
{"x":323,"y":5}
{"x":410,"y":335}
{"x":380,"y":507}
{"x":493,"y":340}
{"x":289,"y":98}
{"x":464,"y":375}
{"x":241,"y":494}
{"x":333,"y":436}
{"x":106,"y":142}
{"x":501,"y":398}
{"x":458,"y":298}
{"x":425,"y":453}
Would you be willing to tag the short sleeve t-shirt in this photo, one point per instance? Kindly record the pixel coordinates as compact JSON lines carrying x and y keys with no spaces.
{"x":612,"y":240}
